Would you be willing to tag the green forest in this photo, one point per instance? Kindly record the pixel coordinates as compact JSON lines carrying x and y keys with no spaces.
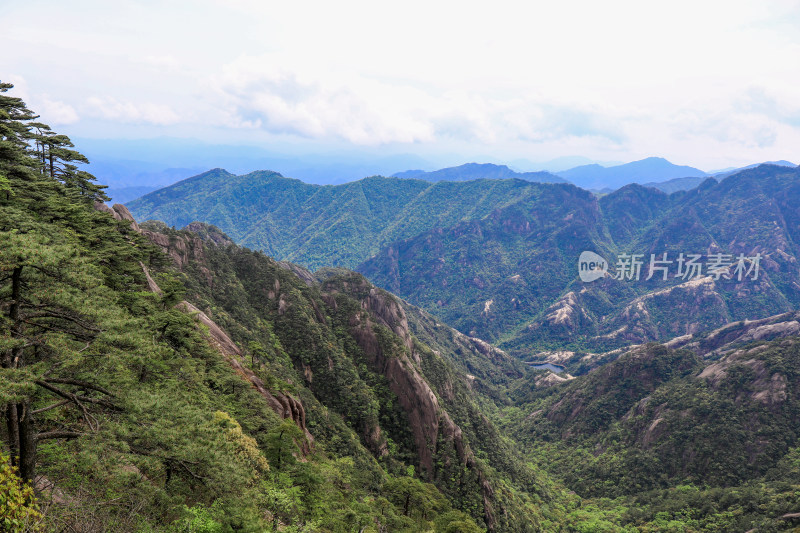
{"x":496,"y":258}
{"x":157,"y":379}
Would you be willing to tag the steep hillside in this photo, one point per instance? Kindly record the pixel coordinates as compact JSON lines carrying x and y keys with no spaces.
{"x":348,"y":346}
{"x":668,"y":435}
{"x":487,"y":276}
{"x":320,"y":226}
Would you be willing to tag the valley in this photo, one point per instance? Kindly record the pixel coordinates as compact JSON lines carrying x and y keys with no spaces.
{"x":253,"y":353}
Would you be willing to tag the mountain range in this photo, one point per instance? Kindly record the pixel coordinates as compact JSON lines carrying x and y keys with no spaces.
{"x":130,"y":179}
{"x":169,"y":380}
{"x":497,"y":259}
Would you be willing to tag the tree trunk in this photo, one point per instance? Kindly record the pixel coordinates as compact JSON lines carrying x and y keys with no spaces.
{"x":27,"y":443}
{"x":12,"y":423}
{"x":11,"y":359}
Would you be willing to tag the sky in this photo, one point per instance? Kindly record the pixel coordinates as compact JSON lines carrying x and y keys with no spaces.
{"x":712,"y":84}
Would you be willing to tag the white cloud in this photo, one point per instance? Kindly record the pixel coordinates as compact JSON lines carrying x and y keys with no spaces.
{"x":52,"y":112}
{"x":128,"y":112}
{"x":693,"y":81}
{"x":55,"y":112}
{"x":259,"y":93}
{"x":159,"y":61}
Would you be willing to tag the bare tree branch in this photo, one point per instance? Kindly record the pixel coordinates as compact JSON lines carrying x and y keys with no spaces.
{"x":53,"y":406}
{"x":58,"y":435}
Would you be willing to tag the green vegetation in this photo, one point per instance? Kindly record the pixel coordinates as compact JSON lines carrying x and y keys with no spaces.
{"x":18,"y":507}
{"x":169,"y":380}
{"x":664,"y":442}
{"x":126,"y":414}
{"x":497,"y":258}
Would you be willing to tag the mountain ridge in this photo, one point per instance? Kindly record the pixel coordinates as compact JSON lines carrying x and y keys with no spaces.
{"x":472,"y":171}
{"x":650,"y":169}
{"x":494,"y":257}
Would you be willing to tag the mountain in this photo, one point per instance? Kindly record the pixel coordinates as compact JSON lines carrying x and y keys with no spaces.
{"x":165,"y":380}
{"x":559,"y":163}
{"x":676,"y":184}
{"x":511,"y":276}
{"x":664,"y":430}
{"x":341,"y":343}
{"x":652,"y":169}
{"x":497,"y":258}
{"x":324,"y":225}
{"x":475,"y":171}
{"x":729,"y":172}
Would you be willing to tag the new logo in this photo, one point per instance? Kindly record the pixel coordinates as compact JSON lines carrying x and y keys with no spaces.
{"x":591,"y":266}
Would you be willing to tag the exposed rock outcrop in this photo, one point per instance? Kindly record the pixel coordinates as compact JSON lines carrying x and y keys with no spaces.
{"x":728,"y":338}
{"x":118,"y":212}
{"x":551,"y":378}
{"x":766,"y":388}
{"x":426,"y":416}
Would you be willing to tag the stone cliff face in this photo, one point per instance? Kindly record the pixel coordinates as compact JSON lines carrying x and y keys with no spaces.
{"x":118,"y":212}
{"x":429,"y":421}
{"x":729,"y":337}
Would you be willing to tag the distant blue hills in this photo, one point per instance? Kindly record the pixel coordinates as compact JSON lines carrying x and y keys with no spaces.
{"x":652,"y":169}
{"x":728,"y":172}
{"x":132,"y":168}
{"x":474,"y":171}
{"x":655,"y":172}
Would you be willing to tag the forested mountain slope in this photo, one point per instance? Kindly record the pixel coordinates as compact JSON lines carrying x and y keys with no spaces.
{"x":346,"y":345}
{"x":498,"y":259}
{"x":679,"y":442}
{"x":156,"y":379}
{"x":512,"y":277}
{"x":212,"y":389}
{"x":329,"y":225}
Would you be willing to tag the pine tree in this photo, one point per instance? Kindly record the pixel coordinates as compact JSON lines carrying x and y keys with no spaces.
{"x":48,"y":320}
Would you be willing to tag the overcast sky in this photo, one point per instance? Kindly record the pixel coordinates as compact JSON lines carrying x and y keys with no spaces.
{"x":706,"y":83}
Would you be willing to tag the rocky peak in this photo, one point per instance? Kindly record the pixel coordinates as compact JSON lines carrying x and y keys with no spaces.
{"x":209,"y":233}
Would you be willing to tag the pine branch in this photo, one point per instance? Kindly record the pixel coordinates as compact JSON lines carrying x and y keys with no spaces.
{"x":79,"y":383}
